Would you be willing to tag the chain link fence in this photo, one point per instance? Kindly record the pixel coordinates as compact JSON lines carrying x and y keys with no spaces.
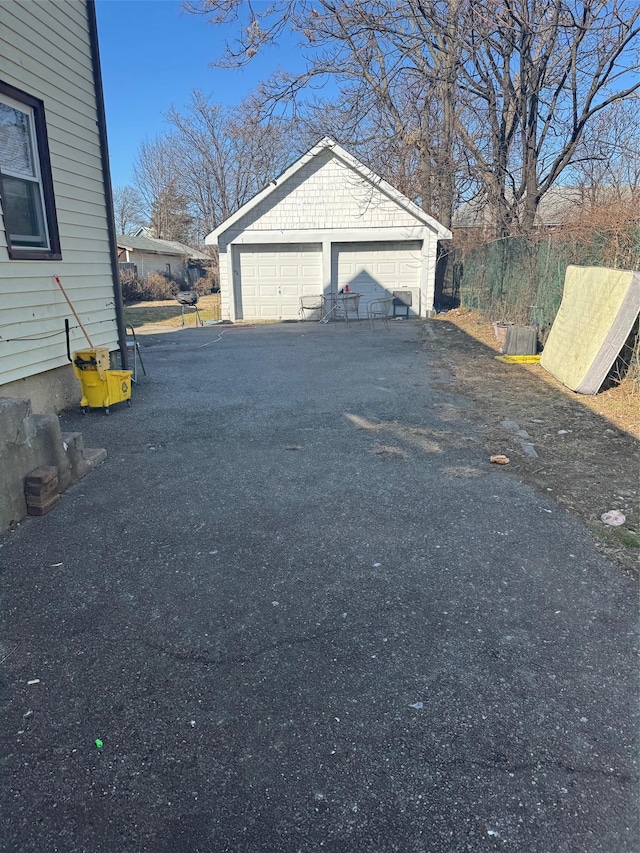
{"x":515,"y":280}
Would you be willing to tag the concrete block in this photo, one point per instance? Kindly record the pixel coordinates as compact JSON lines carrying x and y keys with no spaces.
{"x":73,"y":444}
{"x":15,"y":426}
{"x":30,"y":442}
{"x":91,"y":458}
{"x":48,"y":446}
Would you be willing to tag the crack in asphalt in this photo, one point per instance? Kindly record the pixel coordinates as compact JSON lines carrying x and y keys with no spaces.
{"x":192,"y":657}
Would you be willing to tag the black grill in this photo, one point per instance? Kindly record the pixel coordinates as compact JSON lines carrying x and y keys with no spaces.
{"x":187,"y":297}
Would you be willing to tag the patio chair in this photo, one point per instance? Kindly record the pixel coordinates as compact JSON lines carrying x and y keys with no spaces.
{"x":349,"y":303}
{"x":311,"y":307}
{"x":380,"y":309}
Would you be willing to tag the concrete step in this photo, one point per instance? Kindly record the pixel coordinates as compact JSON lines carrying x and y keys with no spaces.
{"x":82,"y":459}
{"x":28,"y":441}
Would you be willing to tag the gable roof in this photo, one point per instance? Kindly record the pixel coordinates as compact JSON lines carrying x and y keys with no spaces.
{"x":159,"y":247}
{"x":365,"y":173}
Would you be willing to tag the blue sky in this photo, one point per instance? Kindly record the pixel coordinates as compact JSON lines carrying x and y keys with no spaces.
{"x":153,"y":55}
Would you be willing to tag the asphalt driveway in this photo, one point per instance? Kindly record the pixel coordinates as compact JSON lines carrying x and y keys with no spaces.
{"x":303,"y":612}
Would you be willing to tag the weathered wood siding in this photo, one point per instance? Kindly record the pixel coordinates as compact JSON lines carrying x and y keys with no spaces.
{"x":45,"y":51}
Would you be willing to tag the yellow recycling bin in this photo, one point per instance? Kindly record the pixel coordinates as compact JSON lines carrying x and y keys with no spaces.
{"x":101,"y":387}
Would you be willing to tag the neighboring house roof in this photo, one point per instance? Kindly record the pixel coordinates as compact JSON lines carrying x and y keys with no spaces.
{"x":159,"y":247}
{"x":365,"y":173}
{"x":557,"y":206}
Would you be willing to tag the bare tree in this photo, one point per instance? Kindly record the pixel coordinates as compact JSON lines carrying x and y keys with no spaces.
{"x":607,"y":162}
{"x":165,"y":202}
{"x":396,"y":66}
{"x":536,"y":76}
{"x":128,"y":209}
{"x":508,"y":88}
{"x":222,"y":158}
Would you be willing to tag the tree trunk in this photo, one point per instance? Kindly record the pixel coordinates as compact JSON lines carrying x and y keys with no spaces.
{"x":442,"y":263}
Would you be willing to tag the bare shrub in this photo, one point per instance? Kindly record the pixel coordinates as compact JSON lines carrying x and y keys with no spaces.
{"x":212,"y":279}
{"x":208,"y":283}
{"x":153,"y":287}
{"x":607,"y":232}
{"x":160,"y":286}
{"x":132,"y":287}
{"x":626,"y":369}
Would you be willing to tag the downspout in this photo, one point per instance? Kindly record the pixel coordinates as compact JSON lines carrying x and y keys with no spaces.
{"x":108,"y":196}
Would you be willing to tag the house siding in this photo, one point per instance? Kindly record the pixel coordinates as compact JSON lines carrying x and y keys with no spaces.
{"x":45,"y":51}
{"x":147,"y":262}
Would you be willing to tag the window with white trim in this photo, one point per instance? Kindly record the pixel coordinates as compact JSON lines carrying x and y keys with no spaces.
{"x":26,"y":186}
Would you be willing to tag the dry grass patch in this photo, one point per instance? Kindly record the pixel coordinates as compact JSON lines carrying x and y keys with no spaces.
{"x":620,"y":405}
{"x":167,"y":312}
{"x":589,"y":456}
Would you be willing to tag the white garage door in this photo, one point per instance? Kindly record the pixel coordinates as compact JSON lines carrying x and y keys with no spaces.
{"x":269,"y":280}
{"x":375,"y":270}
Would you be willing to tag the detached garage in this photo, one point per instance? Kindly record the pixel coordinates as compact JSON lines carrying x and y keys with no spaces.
{"x":326,"y":223}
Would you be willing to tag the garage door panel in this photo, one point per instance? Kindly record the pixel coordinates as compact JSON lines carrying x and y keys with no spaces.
{"x":267,"y":290}
{"x":287,"y":271}
{"x":266,"y":271}
{"x":375,"y":270}
{"x":311,"y":289}
{"x":290,"y":290}
{"x":363,"y":283}
{"x":271,"y":281}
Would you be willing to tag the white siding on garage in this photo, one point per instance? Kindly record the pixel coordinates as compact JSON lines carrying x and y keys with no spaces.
{"x":326,"y":193}
{"x":269,"y":281}
{"x":375,"y":270}
{"x":45,"y":51}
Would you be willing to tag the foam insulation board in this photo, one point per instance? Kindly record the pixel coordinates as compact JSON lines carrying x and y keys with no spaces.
{"x":599,"y":307}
